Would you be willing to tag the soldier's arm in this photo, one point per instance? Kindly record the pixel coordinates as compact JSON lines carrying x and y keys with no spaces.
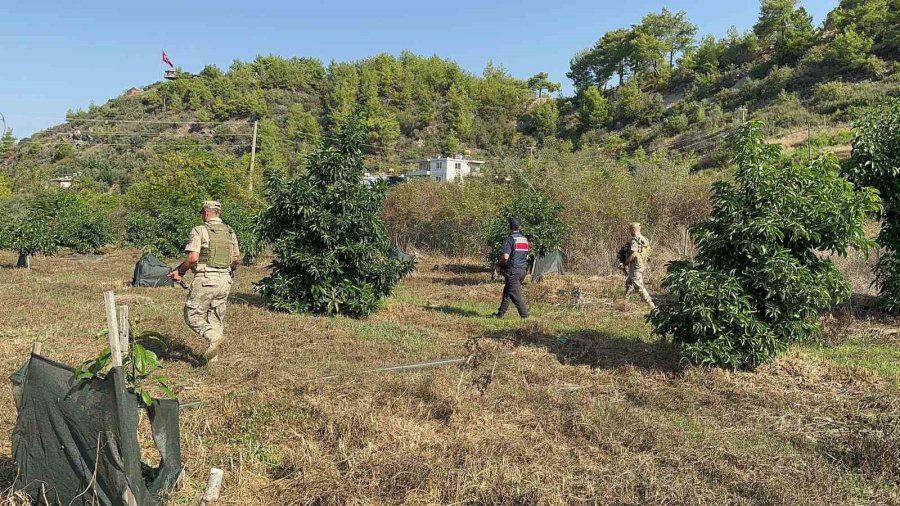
{"x":191,"y":260}
{"x":505,"y":252}
{"x":193,"y":256}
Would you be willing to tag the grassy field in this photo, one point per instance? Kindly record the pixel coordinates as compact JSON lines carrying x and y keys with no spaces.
{"x":607,"y":415}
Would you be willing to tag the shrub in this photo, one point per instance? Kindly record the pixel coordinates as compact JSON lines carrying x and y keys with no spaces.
{"x":778,"y":80}
{"x":165,"y":234}
{"x":758,"y":283}
{"x":332,"y":252}
{"x":876,"y":162}
{"x":446,"y":218}
{"x":541,"y":219}
{"x":242,"y":219}
{"x":676,"y":124}
{"x":31,"y":235}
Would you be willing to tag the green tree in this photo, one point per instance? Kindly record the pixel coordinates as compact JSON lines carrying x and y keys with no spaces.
{"x":541,"y":121}
{"x":268,"y":143}
{"x":452,"y":146}
{"x":707,"y":58}
{"x":383,"y":128}
{"x":343,"y":91}
{"x":672,"y":30}
{"x":875,"y":162}
{"x":611,"y":55}
{"x":7,"y":141}
{"x":29,"y":232}
{"x":647,"y":52}
{"x":738,"y":49}
{"x":847,"y":52}
{"x":332,"y":254}
{"x":799,"y":36}
{"x":593,"y":109}
{"x":301,"y":127}
{"x":541,"y":219}
{"x":878,"y":20}
{"x":460,"y":111}
{"x":775,"y":18}
{"x":758,"y":281}
{"x":539,"y":82}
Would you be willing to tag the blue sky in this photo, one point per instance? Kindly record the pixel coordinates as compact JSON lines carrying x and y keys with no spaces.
{"x":60,"y":55}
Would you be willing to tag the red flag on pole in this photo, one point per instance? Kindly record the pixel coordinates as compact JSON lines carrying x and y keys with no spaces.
{"x":166,"y":60}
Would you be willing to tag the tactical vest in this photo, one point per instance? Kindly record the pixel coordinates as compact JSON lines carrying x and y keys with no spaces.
{"x":521,"y":248}
{"x":642,"y":252}
{"x":218,"y":254}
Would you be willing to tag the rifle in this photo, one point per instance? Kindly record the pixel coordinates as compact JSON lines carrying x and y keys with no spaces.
{"x":622,"y":257}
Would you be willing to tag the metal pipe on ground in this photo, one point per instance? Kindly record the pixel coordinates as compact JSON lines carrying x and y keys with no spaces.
{"x":420,"y":366}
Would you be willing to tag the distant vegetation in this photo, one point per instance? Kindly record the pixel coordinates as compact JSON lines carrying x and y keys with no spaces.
{"x":649,"y":127}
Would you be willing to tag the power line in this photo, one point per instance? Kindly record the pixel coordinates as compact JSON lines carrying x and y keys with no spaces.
{"x":156,"y":122}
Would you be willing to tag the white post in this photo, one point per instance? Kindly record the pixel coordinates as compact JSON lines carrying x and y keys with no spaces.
{"x":213,"y":487}
{"x":112,"y":326}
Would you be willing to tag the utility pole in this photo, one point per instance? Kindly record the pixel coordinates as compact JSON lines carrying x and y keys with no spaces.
{"x":743,"y":110}
{"x":253,"y":155}
{"x":164,"y":104}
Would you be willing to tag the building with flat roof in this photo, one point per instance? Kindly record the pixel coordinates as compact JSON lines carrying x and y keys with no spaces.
{"x":446,"y":169}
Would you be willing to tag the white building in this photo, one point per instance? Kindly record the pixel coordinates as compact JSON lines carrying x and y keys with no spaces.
{"x":446,"y":169}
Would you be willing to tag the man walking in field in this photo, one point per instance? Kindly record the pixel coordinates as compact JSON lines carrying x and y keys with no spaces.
{"x":636,"y":264}
{"x":212,"y":254}
{"x":513,"y":264}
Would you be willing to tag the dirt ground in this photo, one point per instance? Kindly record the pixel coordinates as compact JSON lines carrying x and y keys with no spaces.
{"x":580,"y":404}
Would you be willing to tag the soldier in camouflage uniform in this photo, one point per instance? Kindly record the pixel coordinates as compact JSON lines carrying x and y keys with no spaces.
{"x":213,"y":254}
{"x":636,"y":264}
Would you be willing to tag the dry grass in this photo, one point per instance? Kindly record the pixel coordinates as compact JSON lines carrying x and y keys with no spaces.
{"x":608,"y":417}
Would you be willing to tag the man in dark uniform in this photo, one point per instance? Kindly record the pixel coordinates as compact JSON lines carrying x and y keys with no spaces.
{"x":513,"y":264}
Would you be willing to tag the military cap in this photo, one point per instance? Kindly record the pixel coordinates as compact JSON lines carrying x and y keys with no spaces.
{"x":211,"y":204}
{"x":634,"y":224}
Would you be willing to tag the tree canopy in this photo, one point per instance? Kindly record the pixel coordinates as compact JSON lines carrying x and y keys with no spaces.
{"x":758,"y":283}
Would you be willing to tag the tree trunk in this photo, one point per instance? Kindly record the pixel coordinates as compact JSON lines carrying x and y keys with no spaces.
{"x":671,"y":58}
{"x":621,"y":74}
{"x":24,"y":261}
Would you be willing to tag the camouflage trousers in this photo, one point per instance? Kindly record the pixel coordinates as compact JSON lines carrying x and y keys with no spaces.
{"x":204,"y":309}
{"x":634,"y":282}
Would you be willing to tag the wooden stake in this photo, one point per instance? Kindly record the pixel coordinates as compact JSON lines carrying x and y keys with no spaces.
{"x":36,"y":348}
{"x":213,"y":487}
{"x":112,"y":326}
{"x":124,"y":329}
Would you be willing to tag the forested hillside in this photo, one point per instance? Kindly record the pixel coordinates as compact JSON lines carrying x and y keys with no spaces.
{"x":656,"y":84}
{"x":654,"y":103}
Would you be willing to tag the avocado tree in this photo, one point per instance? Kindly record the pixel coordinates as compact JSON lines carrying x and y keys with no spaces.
{"x":876,"y":162}
{"x":31,"y":235}
{"x":332,"y":252}
{"x":541,"y":221}
{"x":759,"y":279}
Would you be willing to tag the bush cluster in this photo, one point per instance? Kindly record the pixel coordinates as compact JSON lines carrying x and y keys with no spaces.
{"x":876,"y":162}
{"x":332,"y":252}
{"x":758,"y":281}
